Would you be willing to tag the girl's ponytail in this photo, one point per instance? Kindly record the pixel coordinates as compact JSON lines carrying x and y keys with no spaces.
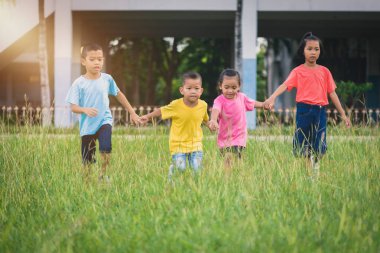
{"x":307,"y":35}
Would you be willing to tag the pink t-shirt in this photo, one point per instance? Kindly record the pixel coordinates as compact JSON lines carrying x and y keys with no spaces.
{"x":233,"y":120}
{"x":312,"y":84}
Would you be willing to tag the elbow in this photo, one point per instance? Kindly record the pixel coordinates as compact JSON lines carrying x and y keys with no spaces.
{"x":332,"y":94}
{"x":74,"y":108}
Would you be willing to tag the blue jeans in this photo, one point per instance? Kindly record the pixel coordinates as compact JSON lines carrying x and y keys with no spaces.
{"x":179,"y":161}
{"x":103,"y":135}
{"x":310,"y":135}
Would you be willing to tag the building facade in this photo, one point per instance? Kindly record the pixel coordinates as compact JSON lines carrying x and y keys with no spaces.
{"x":74,"y":22}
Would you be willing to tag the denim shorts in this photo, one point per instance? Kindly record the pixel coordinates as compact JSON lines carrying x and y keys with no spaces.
{"x":89,"y":143}
{"x":194,"y":158}
{"x":310,"y":134}
{"x":237,"y":150}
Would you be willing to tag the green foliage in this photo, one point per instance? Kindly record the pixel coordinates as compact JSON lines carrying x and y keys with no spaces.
{"x":142,"y":66}
{"x":352,"y":94}
{"x":134,"y":64}
{"x":208,"y":57}
{"x":261,"y":76}
{"x":268,"y":204}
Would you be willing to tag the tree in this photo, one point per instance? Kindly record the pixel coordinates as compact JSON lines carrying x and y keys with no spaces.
{"x":172,"y":62}
{"x":43,"y":62}
{"x":351,"y":93}
{"x":160,"y":63}
{"x":142,"y":63}
{"x":239,"y":8}
{"x":208,"y":56}
{"x":152,"y":72}
{"x":261,"y":75}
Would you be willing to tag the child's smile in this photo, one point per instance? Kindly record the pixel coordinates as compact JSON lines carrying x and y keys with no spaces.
{"x":230,"y":87}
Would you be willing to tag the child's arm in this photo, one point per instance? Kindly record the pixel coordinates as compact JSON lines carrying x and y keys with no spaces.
{"x":124,"y":102}
{"x":335,"y":99}
{"x":269,"y":103}
{"x":147,"y":117}
{"x":89,"y":111}
{"x":259,"y":104}
{"x":213,"y":123}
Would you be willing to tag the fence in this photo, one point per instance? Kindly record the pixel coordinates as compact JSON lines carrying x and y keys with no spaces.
{"x":27,"y":115}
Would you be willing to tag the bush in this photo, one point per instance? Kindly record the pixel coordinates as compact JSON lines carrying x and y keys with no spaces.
{"x":352,"y":94}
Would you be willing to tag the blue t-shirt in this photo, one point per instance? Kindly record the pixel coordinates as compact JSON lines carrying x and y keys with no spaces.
{"x":93,"y":93}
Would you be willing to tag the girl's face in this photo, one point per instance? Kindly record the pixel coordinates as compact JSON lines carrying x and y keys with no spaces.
{"x":230,"y":86}
{"x":311,"y":52}
{"x":93,"y":62}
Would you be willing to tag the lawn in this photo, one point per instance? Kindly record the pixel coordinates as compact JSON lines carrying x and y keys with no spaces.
{"x":268,"y":203}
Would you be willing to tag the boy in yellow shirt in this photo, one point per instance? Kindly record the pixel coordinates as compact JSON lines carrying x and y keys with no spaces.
{"x":187,"y":115}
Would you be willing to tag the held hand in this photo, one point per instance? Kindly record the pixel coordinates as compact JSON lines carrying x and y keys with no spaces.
{"x":269,"y":104}
{"x":91,"y":112}
{"x":136,"y":119}
{"x":213,"y":125}
{"x":144,"y":119}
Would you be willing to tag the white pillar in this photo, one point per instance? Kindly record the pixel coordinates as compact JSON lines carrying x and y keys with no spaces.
{"x":249,"y":37}
{"x":77,"y":43}
{"x":63,"y":60}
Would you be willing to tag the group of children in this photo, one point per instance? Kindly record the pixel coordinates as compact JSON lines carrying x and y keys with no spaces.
{"x":89,"y":93}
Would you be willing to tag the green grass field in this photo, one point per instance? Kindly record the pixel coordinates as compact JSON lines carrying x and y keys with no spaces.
{"x":268,"y":204}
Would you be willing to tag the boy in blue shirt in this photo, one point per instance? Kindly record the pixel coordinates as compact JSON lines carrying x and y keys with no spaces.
{"x":88,"y":96}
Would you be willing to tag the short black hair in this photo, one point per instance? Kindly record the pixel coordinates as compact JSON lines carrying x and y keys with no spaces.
{"x":307,"y":37}
{"x":190,"y":75}
{"x":89,"y":47}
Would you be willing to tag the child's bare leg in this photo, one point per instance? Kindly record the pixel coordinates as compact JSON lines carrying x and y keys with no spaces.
{"x":308,"y":166}
{"x":86,"y":171}
{"x":105,"y":162}
{"x":313,"y":166}
{"x":228,"y":162}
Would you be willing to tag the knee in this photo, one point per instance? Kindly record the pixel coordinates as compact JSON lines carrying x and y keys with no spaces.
{"x":180,"y":164}
{"x":197,"y":165}
{"x":196,"y":162}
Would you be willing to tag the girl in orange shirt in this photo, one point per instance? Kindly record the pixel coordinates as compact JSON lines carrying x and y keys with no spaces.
{"x":313,"y":83}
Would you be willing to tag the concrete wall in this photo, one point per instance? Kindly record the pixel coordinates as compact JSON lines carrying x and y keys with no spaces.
{"x":19,"y":18}
{"x":22,"y":16}
{"x":319,"y":5}
{"x":155,"y":5}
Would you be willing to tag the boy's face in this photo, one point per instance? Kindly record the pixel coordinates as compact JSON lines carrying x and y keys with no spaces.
{"x":93,"y":62}
{"x":191,"y":91}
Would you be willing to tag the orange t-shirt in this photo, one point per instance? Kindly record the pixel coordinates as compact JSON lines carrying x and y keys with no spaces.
{"x":312,"y":84}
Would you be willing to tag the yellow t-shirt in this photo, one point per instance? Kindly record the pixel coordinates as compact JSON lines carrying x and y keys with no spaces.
{"x":185,"y":131}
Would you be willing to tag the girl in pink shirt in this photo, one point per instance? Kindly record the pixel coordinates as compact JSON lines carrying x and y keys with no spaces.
{"x":313,"y":83}
{"x":229,"y":116}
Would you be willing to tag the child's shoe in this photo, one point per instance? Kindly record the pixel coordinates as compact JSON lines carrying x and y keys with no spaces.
{"x":314,"y":167}
{"x":105,"y":179}
{"x":170,"y":173}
